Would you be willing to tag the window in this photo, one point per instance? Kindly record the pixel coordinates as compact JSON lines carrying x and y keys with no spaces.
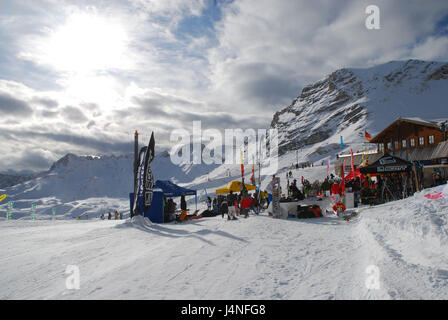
{"x":431,"y":139}
{"x":389,"y":146}
{"x":381,"y":147}
{"x":412,"y":142}
{"x":404,"y":144}
{"x":396,"y":145}
{"x":421,"y":141}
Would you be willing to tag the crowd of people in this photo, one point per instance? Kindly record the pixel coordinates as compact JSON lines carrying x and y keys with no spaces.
{"x":236,"y":204}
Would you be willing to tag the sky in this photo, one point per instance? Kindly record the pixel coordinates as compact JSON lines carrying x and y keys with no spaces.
{"x":81,"y":76}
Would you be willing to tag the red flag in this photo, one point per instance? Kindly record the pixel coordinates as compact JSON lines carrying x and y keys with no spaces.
{"x":367,"y":136}
{"x":242,"y":165}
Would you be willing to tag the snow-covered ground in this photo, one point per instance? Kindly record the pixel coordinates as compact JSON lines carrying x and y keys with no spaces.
{"x":403,"y":245}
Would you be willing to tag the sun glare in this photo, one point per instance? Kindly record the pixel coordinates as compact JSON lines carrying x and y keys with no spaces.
{"x":86,"y":43}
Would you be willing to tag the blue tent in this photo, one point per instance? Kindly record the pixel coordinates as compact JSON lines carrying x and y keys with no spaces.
{"x":173,"y":190}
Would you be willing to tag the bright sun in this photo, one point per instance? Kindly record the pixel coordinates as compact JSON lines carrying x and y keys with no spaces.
{"x":86,"y":43}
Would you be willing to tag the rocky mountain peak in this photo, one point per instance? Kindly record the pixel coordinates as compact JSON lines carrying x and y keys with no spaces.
{"x":351,"y":100}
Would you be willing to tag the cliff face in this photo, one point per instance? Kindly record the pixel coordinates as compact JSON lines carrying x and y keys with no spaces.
{"x":349,"y":101}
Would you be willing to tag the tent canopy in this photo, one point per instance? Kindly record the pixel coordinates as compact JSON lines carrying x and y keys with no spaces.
{"x":173,"y":190}
{"x":387,"y":164}
{"x":235,"y":186}
{"x":357,"y":173}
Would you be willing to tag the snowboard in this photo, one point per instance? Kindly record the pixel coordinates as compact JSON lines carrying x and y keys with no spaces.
{"x":276,"y":197}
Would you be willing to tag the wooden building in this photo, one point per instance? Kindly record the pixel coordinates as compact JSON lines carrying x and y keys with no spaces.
{"x":414,"y":140}
{"x":407,"y":134}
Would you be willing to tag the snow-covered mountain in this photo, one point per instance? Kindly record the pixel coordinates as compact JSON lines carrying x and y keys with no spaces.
{"x":80,"y":177}
{"x":349,"y":101}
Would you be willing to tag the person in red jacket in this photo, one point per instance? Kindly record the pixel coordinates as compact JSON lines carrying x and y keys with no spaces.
{"x":335,"y":189}
{"x":246,"y":204}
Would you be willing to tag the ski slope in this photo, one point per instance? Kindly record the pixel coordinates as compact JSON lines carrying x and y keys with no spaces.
{"x":254,"y":258}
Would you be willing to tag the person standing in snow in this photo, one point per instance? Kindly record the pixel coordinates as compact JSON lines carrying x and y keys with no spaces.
{"x":246,"y":204}
{"x":209,"y":204}
{"x":224,"y":208}
{"x":183,"y":207}
{"x":109,"y":217}
{"x":116,"y":214}
{"x":231,"y":202}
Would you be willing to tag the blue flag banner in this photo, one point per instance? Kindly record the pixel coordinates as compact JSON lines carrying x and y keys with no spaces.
{"x":342,"y":143}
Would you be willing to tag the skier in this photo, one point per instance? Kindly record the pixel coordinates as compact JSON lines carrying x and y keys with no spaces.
{"x":102,"y":216}
{"x":116,"y":215}
{"x":109,"y":217}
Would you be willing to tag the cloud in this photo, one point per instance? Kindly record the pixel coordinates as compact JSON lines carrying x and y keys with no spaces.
{"x":49,"y":114}
{"x":10,"y":106}
{"x":46,"y":102}
{"x":32,"y":159}
{"x":73,"y":114}
{"x":99,"y":141}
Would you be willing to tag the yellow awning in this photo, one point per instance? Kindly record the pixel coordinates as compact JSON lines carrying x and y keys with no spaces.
{"x":235,"y":187}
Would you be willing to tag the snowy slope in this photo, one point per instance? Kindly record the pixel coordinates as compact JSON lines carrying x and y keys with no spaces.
{"x":349,"y":101}
{"x":254,"y":258}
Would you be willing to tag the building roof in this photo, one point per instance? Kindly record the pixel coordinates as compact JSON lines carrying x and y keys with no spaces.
{"x":434,"y":123}
{"x":412,"y":154}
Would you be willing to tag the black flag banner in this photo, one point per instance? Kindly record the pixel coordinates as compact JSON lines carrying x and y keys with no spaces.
{"x":139,"y":185}
{"x":148,"y":178}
